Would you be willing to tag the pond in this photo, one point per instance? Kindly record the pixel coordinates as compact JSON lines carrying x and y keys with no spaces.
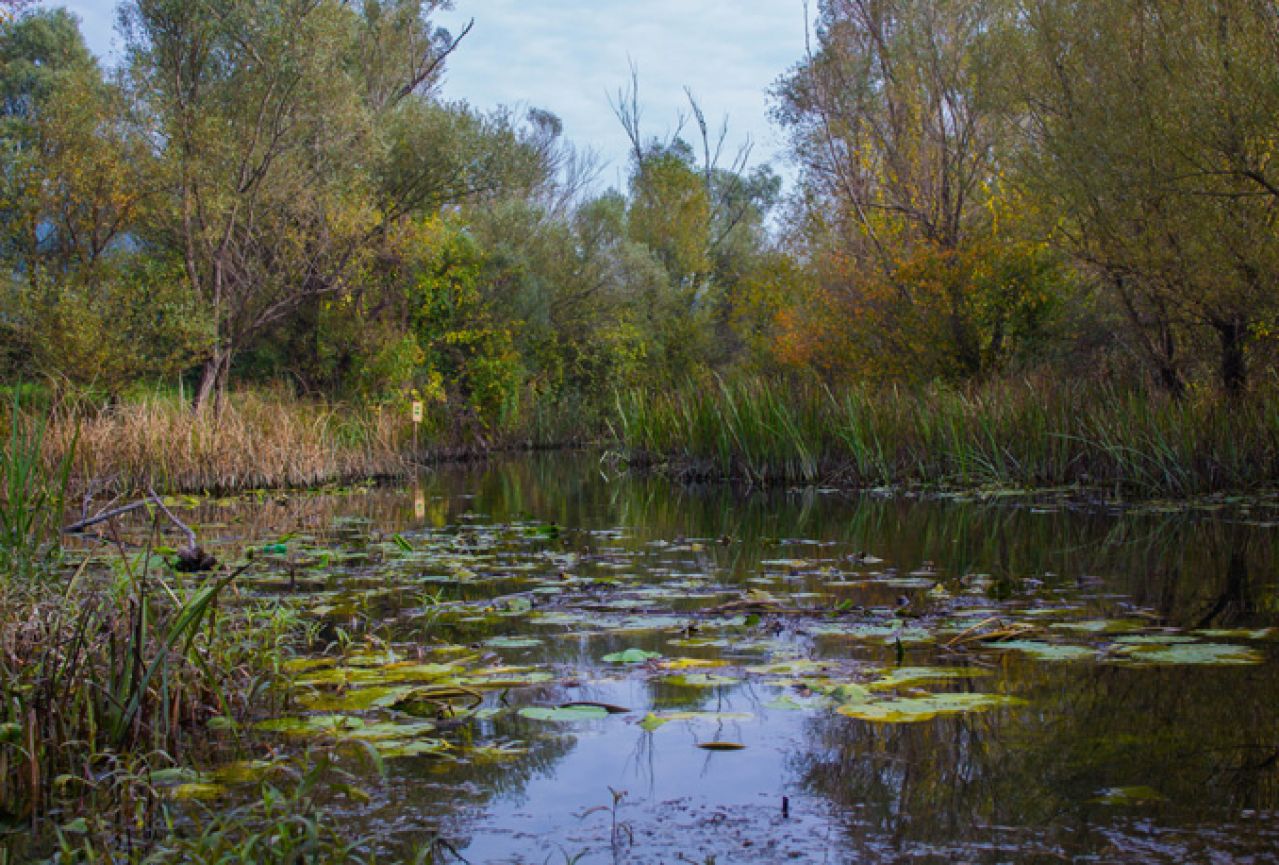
{"x":557,"y":664}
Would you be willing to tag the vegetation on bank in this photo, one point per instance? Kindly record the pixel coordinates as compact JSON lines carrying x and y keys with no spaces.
{"x":1031,"y":244}
{"x":1020,"y":434}
{"x":986,"y":189}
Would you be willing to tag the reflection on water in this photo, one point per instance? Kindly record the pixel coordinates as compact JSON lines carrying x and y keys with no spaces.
{"x":1105,"y":756}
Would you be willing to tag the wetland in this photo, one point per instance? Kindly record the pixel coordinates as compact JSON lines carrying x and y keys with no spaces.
{"x":532,"y":660}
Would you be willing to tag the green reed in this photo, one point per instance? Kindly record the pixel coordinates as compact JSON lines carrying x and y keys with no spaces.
{"x":1009,"y":434}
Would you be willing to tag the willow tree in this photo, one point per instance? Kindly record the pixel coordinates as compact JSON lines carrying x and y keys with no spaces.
{"x":275,"y":120}
{"x":1152,"y":129}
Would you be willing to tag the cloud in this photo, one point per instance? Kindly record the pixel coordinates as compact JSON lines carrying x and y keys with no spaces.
{"x":570,"y":56}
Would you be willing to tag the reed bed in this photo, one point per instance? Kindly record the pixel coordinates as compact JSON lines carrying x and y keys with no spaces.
{"x":256,"y":440}
{"x":107,"y":679}
{"x":1029,"y":433}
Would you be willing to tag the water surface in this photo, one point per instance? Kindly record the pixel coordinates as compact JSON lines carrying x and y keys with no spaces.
{"x":1136,"y":716}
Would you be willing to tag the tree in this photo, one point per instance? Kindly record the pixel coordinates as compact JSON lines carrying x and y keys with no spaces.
{"x":899,"y":145}
{"x":84,"y":300}
{"x":1151,"y":125}
{"x":286,"y":140}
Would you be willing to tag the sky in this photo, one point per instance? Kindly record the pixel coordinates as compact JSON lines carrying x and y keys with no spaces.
{"x":570,"y":56}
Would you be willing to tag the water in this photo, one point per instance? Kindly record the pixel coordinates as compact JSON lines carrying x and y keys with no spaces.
{"x":1138,"y":722}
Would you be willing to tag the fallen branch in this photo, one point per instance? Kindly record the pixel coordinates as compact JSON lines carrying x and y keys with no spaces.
{"x":190,"y":558}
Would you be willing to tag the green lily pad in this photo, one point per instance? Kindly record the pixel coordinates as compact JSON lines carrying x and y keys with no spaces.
{"x":1047,"y":651}
{"x":1237,"y":633}
{"x":631,"y":656}
{"x":311,"y":725}
{"x":1101,"y":626}
{"x":1212,"y":654}
{"x":564,"y":714}
{"x":787,"y":704}
{"x":415,"y":748}
{"x":921,"y":675}
{"x":797,"y":667}
{"x":654,"y":720}
{"x":908,"y":710}
{"x":513,"y":643}
{"x":356,"y":699}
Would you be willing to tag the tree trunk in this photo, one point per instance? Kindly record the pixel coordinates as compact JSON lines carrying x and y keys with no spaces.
{"x":1234,"y":363}
{"x":212,"y":379}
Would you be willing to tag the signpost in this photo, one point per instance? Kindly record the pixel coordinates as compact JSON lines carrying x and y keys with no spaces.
{"x":419,"y":409}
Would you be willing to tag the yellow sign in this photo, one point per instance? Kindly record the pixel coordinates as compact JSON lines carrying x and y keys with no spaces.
{"x":418,"y":410}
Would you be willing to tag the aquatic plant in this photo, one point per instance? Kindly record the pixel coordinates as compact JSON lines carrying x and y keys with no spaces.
{"x":1031,"y":433}
{"x":118,"y":672}
{"x":32,"y":493}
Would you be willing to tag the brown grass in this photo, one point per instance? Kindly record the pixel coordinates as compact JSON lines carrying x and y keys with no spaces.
{"x":257,"y":440}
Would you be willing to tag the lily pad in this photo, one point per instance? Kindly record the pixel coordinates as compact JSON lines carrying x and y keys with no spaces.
{"x":692,"y":663}
{"x":1210,"y":654}
{"x":513,"y":643}
{"x":1101,"y":626}
{"x":922,"y":675}
{"x":908,"y":710}
{"x":1237,"y":633}
{"x":631,"y":656}
{"x":1047,"y":651}
{"x":654,"y":720}
{"x":564,"y":714}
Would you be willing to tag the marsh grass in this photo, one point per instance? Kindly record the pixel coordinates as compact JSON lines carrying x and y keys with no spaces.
{"x":32,"y":492}
{"x":1011,"y":434}
{"x":115,"y":674}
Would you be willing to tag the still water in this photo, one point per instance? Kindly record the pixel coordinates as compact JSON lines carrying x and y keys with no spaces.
{"x":542,"y":652}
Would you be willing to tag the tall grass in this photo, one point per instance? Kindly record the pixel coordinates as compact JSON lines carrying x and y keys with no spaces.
{"x":257,"y":440}
{"x":32,"y":493}
{"x":1013,"y":433}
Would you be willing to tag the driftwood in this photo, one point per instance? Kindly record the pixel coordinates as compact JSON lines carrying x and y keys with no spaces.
{"x":191,"y":558}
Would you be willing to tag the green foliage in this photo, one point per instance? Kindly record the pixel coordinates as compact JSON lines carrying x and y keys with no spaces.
{"x":1019,"y":434}
{"x":32,"y":497}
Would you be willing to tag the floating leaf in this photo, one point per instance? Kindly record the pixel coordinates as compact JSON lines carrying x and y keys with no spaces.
{"x":799,"y":666}
{"x":1214,"y":654}
{"x":1101,"y":626}
{"x":651,"y":722}
{"x":631,"y":656}
{"x":691,"y":663}
{"x":1237,"y":633}
{"x":416,"y":748}
{"x":786,"y":704}
{"x":721,"y":746}
{"x":908,"y":710}
{"x":564,"y":714}
{"x":513,"y":642}
{"x":1047,"y":651}
{"x":922,"y":675}
{"x":310,"y":725}
{"x":356,"y":699}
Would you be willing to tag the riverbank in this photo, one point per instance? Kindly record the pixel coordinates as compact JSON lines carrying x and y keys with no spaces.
{"x":1021,"y":434}
{"x":1012,"y":434}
